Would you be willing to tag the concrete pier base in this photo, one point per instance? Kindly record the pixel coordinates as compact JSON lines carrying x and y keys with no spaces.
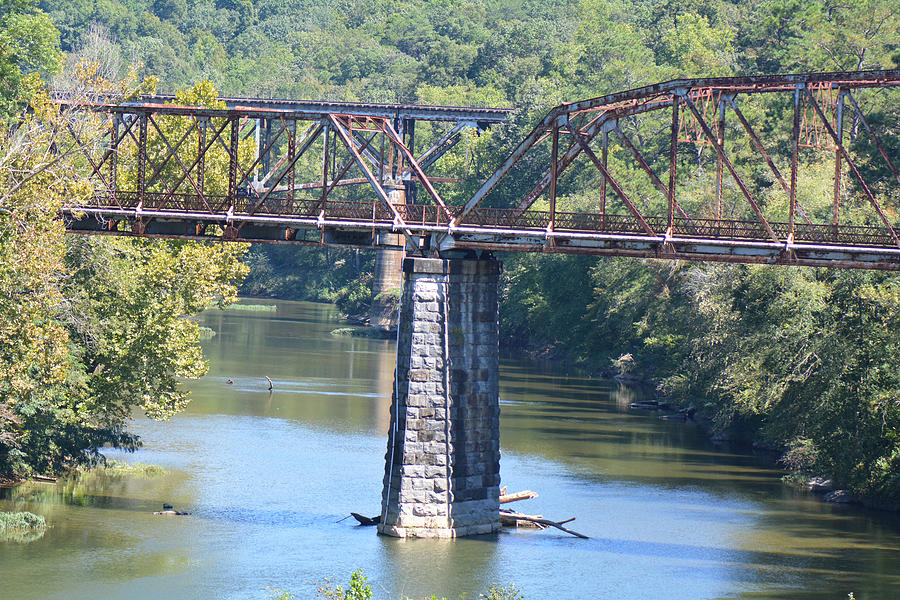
{"x":387,"y":281}
{"x":442,"y":467}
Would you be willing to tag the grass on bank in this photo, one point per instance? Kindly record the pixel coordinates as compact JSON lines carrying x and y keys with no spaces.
{"x":253,"y":307}
{"x":21,"y":527}
{"x":117,"y":468}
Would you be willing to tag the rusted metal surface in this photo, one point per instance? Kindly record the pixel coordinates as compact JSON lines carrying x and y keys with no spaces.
{"x":329,"y":184}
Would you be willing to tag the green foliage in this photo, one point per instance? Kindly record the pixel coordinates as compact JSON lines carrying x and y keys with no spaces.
{"x":129,"y":298}
{"x":356,"y":296}
{"x":327,"y":275}
{"x":508,"y":592}
{"x":802,"y":359}
{"x":90,"y":329}
{"x":253,"y":307}
{"x":115,"y":468}
{"x":357,"y":589}
{"x":28,"y":43}
{"x":21,"y":527}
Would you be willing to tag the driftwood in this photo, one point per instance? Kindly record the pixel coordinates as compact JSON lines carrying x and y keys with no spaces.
{"x":44,"y":478}
{"x":366,"y":520}
{"x":508,"y":520}
{"x":271,"y":386}
{"x":523,"y":495}
{"x":541,"y":521}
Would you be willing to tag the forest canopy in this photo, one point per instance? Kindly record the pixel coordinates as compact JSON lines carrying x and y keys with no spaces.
{"x":805,"y":360}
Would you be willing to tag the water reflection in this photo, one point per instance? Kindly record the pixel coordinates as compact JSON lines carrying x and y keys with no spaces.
{"x":268,"y":476}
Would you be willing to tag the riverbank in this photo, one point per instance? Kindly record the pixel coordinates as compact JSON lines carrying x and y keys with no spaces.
{"x":740,"y":436}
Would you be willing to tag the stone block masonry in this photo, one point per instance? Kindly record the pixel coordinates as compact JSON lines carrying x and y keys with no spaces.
{"x":442,"y":467}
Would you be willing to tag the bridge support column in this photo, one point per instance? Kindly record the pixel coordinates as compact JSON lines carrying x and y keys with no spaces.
{"x":388,"y":270}
{"x":442,"y":467}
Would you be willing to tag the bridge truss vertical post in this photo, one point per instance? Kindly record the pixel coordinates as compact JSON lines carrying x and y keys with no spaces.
{"x":233,"y":161}
{"x":554,"y":166}
{"x":673,"y":165}
{"x":442,"y":466}
{"x":720,"y":139}
{"x":839,"y":129}
{"x":291,"y":153}
{"x":142,"y":160}
{"x":267,"y":156}
{"x":795,"y":158}
{"x":412,"y":189}
{"x":114,"y":156}
{"x":202,"y":123}
{"x":604,"y":156}
{"x":326,"y":130}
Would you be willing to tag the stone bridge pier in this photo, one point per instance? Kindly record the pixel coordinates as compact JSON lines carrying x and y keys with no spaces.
{"x":388,"y":272}
{"x":442,"y":467}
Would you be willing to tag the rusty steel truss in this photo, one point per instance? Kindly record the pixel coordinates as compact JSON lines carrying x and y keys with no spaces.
{"x":292,"y":172}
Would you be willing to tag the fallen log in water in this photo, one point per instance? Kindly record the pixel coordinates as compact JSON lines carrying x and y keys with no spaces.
{"x":363,"y":520}
{"x":523,"y":495}
{"x":508,"y":520}
{"x":540,"y":520}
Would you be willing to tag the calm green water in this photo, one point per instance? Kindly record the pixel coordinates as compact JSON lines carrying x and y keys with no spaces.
{"x":268,"y":477}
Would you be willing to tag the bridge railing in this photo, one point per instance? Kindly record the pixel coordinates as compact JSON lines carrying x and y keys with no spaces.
{"x":374,"y":212}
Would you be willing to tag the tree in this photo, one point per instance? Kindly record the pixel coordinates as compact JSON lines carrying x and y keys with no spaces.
{"x":38,"y":415}
{"x":90,"y":329}
{"x":28,"y":43}
{"x":128,"y":302}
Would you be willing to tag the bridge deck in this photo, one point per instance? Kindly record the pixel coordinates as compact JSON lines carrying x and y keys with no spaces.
{"x":282,"y":220}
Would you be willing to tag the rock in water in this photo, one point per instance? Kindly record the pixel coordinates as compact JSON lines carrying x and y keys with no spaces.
{"x":819,"y":485}
{"x":169,"y":511}
{"x":839,"y":497}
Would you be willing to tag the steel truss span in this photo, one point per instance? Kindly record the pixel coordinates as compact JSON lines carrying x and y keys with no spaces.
{"x":317,"y":173}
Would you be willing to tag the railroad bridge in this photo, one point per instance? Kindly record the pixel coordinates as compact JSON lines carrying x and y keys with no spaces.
{"x":363,"y":175}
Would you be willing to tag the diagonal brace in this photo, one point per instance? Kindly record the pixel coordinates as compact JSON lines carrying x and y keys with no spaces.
{"x":414,"y":165}
{"x":758,"y":144}
{"x":874,"y":137}
{"x":619,"y":191}
{"x":850,"y":162}
{"x":647,"y":169}
{"x":373,"y":181}
{"x":737,"y":178}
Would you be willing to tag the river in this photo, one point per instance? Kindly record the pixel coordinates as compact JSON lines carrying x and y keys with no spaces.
{"x":269,"y":476}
